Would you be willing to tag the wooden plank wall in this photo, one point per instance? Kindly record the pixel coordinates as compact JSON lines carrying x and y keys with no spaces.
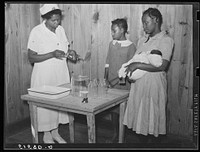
{"x":19,"y":20}
{"x":180,"y":75}
{"x":88,"y":29}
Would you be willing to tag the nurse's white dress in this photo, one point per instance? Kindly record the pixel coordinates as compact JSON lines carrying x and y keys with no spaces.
{"x":52,"y":72}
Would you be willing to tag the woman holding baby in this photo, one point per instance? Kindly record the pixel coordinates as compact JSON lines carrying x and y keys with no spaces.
{"x":145,"y":113}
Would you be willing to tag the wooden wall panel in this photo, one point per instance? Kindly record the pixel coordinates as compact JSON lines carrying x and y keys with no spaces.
{"x":18,"y":23}
{"x":10,"y":70}
{"x":180,"y":75}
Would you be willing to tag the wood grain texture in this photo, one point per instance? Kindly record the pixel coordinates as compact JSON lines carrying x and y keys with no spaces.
{"x":19,"y":20}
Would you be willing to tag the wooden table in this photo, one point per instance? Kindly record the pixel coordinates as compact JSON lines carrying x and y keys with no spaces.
{"x":72,"y":104}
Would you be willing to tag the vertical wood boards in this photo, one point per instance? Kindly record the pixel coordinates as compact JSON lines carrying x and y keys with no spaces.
{"x":180,"y":75}
{"x":19,"y":20}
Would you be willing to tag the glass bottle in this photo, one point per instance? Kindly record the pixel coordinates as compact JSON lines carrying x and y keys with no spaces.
{"x":72,"y":83}
{"x":102,"y":88}
{"x":90,"y":89}
{"x":95,"y":87}
{"x":105,"y":85}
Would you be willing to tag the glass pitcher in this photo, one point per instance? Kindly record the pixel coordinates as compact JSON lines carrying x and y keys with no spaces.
{"x":79,"y":85}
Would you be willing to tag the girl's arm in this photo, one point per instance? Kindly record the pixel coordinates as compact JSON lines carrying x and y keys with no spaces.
{"x":106,"y":73}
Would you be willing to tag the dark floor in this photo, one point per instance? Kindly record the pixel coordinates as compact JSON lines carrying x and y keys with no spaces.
{"x":104,"y":132}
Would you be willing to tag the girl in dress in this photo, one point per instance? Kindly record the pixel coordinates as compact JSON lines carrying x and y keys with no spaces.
{"x":120,"y":51}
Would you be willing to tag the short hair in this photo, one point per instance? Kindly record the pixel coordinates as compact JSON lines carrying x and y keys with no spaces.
{"x":154,"y":13}
{"x":51,"y":13}
{"x":121,"y":23}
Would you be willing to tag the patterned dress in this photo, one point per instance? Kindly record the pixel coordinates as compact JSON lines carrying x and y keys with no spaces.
{"x":51,"y":72}
{"x":145,"y":112}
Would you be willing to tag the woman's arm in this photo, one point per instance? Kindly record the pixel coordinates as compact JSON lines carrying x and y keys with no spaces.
{"x":151,"y":68}
{"x":35,"y":58}
{"x":147,"y":67}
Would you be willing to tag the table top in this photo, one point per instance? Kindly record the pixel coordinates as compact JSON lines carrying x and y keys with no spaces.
{"x":113,"y":97}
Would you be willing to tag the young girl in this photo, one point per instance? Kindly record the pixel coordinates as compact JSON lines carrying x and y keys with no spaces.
{"x":145,"y":112}
{"x":120,"y":51}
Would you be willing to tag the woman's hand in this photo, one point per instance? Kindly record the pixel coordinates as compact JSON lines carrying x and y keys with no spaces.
{"x":72,"y":52}
{"x":130,"y":80}
{"x":131,"y":68}
{"x":73,"y":56}
{"x":58,"y":54}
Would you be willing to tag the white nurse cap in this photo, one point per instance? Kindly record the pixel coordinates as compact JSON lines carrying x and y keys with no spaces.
{"x":47,"y":8}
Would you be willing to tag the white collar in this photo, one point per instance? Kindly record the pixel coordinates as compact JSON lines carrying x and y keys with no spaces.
{"x":123,"y":43}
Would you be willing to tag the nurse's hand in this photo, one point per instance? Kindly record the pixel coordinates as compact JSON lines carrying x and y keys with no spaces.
{"x":72,"y":52}
{"x":73,"y":56}
{"x":58,"y":54}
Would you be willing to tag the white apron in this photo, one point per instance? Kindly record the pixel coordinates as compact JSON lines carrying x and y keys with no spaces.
{"x":52,"y":72}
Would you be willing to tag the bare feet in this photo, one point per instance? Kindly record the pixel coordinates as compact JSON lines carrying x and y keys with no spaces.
{"x":47,"y":138}
{"x":57,"y":137}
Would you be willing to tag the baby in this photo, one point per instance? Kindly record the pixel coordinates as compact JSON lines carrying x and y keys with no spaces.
{"x":153,"y":57}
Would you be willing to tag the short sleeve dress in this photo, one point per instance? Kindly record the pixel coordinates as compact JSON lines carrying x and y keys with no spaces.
{"x":119,"y":53}
{"x":51,"y":72}
{"x":145,"y":112}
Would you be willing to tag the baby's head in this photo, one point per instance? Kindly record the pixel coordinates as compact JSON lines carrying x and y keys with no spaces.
{"x":119,"y":28}
{"x":156,"y":52}
{"x":155,"y":58}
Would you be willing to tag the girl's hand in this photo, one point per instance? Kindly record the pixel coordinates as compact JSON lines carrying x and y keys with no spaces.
{"x":107,"y":83}
{"x":58,"y":54}
{"x":131,"y":68}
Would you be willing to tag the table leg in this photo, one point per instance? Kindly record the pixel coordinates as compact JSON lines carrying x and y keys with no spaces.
{"x":34,"y":124}
{"x":91,"y":128}
{"x":71,"y":126}
{"x":121,"y":126}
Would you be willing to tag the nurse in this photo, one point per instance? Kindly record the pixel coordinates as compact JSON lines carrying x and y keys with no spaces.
{"x":47,"y":47}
